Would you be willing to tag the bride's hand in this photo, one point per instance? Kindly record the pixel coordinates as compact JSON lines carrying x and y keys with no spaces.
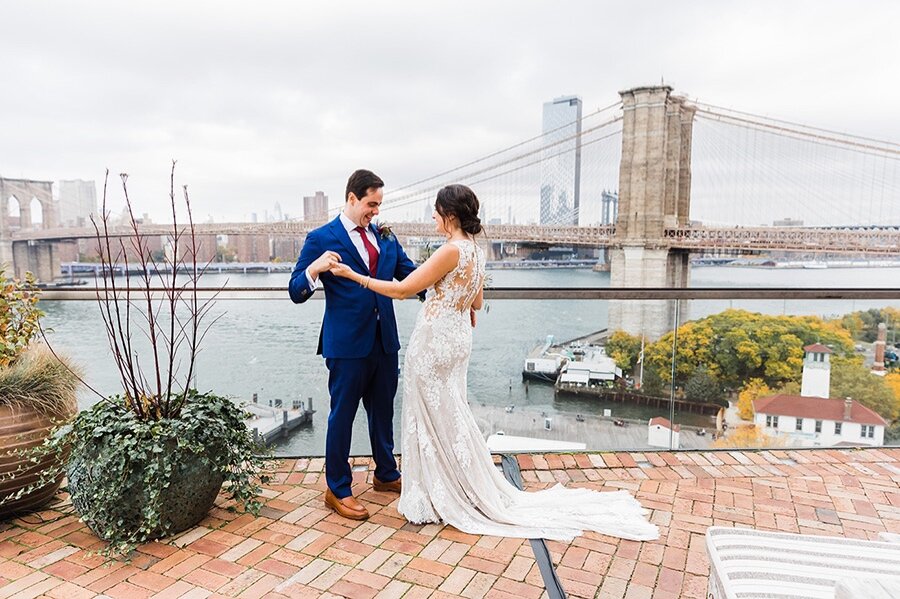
{"x":342,"y":270}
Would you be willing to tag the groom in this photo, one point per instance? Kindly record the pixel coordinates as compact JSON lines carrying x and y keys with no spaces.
{"x":358,"y":337}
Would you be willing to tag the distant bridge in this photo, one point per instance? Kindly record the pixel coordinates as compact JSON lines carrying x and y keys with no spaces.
{"x":835,"y":240}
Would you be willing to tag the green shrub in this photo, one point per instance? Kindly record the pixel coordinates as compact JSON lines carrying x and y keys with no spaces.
{"x":19,"y":315}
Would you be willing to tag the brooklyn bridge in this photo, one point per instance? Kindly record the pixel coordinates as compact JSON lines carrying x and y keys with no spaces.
{"x":875,"y":240}
{"x":689,"y":177}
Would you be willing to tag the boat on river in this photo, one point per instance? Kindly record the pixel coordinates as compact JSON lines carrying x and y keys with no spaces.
{"x":582,"y":359}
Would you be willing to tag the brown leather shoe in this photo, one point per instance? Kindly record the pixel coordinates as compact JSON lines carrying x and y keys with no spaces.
{"x":394,"y":486}
{"x":348,"y":507}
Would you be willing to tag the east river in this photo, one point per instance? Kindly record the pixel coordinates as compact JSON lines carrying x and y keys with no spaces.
{"x":268,"y":346}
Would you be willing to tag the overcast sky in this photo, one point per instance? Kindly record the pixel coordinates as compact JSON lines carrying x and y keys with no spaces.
{"x":266,"y":102}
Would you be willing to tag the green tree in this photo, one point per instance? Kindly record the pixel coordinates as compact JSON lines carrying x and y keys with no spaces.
{"x":703,"y":387}
{"x":892,"y":434}
{"x":855,"y":324}
{"x":849,"y":378}
{"x":863,"y":324}
{"x":225,"y":254}
{"x":19,"y":315}
{"x":653,"y":385}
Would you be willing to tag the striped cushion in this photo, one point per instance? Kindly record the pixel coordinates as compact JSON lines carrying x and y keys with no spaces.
{"x":873,"y":587}
{"x":751,"y":564}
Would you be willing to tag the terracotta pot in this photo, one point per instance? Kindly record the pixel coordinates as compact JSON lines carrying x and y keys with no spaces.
{"x":22,"y":427}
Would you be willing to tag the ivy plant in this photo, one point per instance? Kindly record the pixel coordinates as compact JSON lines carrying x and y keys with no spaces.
{"x":139,"y":459}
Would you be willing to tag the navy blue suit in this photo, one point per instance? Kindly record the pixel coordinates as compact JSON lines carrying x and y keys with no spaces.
{"x":359,"y":342}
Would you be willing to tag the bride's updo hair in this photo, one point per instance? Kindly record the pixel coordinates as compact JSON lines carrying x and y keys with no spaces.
{"x":459,"y":201}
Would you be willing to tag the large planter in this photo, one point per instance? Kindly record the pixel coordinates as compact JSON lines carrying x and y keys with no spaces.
{"x":22,"y":428}
{"x":134,"y":478}
{"x":191,"y":491}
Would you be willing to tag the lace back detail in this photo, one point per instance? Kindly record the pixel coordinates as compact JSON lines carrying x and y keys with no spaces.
{"x":456,"y":290}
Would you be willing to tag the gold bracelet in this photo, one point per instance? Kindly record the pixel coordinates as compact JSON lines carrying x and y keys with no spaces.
{"x":365,"y":282}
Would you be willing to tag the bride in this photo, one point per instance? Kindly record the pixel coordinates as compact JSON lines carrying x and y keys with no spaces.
{"x":448,"y":472}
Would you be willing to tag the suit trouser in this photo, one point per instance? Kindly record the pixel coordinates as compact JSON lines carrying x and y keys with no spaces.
{"x":374,"y":380}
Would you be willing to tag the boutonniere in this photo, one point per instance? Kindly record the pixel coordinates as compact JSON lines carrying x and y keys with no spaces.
{"x":384,"y":231}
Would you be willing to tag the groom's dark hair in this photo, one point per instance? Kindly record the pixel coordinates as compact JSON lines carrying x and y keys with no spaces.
{"x":360,"y":182}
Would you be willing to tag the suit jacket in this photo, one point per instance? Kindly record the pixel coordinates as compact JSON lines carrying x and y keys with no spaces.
{"x":351,"y":312}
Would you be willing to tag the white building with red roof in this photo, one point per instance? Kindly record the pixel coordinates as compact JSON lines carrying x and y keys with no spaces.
{"x":814,"y":419}
{"x":661,"y":433}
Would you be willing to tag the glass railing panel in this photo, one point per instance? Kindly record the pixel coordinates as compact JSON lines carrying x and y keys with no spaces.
{"x":267,"y":347}
{"x":749,"y":356}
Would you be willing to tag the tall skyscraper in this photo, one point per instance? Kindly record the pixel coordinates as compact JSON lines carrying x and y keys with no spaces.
{"x":561,"y":161}
{"x":315,"y":208}
{"x":77,"y":201}
{"x":610,"y":207}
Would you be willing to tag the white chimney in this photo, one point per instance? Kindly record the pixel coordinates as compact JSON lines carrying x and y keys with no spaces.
{"x":816,"y":371}
{"x":848,"y":406}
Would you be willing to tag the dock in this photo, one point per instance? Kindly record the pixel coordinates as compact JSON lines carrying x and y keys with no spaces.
{"x":595,"y":338}
{"x":597,"y":432}
{"x":545,"y":361}
{"x":536,"y":264}
{"x":616,"y":394}
{"x":548,"y":346}
{"x":95,"y":269}
{"x":273,"y":421}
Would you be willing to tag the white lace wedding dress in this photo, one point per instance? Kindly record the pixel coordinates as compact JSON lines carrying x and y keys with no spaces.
{"x":448,"y":472}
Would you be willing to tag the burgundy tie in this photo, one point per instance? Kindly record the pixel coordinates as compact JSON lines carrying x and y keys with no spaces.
{"x":373,"y":253}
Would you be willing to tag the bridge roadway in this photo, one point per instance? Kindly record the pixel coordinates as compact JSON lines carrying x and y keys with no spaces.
{"x":848,"y":240}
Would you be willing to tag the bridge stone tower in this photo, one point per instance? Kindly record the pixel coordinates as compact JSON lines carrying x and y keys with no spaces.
{"x":41,"y":258}
{"x":654,"y":194}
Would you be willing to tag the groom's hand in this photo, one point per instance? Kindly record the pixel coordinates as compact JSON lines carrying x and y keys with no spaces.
{"x":323,"y":263}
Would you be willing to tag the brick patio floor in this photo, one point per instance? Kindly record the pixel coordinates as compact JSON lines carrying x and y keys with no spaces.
{"x":297,"y":548}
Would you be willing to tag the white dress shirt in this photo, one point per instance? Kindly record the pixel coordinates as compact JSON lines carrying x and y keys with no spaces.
{"x":349,"y":225}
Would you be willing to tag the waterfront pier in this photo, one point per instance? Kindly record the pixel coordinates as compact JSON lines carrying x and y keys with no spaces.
{"x":594,"y":430}
{"x":274,"y":421}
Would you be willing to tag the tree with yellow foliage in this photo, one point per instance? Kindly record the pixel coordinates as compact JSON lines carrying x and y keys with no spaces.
{"x":748,"y":436}
{"x":863,"y":324}
{"x":736,"y":346}
{"x":625,"y":349}
{"x":751,"y":391}
{"x":892,"y":380}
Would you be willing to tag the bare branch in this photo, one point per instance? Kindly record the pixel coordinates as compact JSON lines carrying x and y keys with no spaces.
{"x":108,"y":308}
{"x":121,"y":308}
{"x":66,"y":366}
{"x":144,"y":274}
{"x":171,"y":296}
